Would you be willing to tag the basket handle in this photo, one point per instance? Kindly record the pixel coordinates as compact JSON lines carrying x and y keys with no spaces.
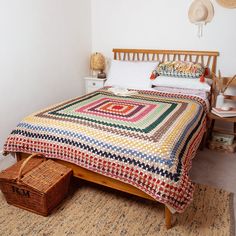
{"x":25,"y":162}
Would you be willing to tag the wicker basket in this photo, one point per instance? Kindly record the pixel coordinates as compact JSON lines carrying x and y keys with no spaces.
{"x":213,"y":145}
{"x":35,"y":184}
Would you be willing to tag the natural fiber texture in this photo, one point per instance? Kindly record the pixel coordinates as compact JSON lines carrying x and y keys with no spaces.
{"x":147,"y":140}
{"x":46,"y":175}
{"x":97,"y":61}
{"x":90,"y":211}
{"x":201,"y":11}
{"x":40,"y":189}
{"x":227,"y":3}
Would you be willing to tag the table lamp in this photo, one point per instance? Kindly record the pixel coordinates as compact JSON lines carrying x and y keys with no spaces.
{"x":97,"y":62}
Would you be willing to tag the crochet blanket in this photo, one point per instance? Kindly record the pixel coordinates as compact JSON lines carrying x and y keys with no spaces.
{"x":147,"y":139}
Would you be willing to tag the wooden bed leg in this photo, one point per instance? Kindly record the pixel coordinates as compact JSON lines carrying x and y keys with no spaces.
{"x":167,"y":217}
{"x":204,"y":140}
{"x":18,"y":156}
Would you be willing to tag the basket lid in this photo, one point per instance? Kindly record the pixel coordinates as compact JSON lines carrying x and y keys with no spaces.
{"x":45,"y":175}
{"x":12,"y":172}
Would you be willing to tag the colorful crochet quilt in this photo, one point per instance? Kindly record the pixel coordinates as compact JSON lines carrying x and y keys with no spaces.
{"x":146,"y":140}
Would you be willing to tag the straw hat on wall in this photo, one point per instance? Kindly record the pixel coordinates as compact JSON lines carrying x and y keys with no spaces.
{"x":227,"y":3}
{"x":201,"y":11}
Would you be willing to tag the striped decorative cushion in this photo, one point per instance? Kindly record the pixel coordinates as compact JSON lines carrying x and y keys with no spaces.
{"x":181,"y":69}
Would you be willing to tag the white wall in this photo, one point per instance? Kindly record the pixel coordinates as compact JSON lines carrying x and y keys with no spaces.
{"x":44,"y":54}
{"x":157,"y":24}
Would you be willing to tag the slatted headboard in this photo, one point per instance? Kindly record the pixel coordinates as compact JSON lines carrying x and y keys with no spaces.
{"x":206,"y":58}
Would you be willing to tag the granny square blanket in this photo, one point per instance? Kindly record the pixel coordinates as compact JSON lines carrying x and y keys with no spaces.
{"x":147,"y":140}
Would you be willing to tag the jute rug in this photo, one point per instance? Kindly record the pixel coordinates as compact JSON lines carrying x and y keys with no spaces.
{"x":90,"y":210}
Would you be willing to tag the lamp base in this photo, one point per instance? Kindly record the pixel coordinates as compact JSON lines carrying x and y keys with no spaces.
{"x":101,"y":75}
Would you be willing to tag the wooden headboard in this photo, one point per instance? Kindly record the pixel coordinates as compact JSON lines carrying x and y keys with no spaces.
{"x":206,"y":58}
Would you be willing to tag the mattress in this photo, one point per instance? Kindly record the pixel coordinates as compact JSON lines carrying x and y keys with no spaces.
{"x":147,"y":139}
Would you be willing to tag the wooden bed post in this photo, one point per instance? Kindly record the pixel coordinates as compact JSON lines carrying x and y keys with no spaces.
{"x":167,"y":217}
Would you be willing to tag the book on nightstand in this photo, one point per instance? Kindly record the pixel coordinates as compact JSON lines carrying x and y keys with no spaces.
{"x":224,"y":113}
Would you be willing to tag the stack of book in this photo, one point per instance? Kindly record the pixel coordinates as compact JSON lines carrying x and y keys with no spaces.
{"x":224,"y":113}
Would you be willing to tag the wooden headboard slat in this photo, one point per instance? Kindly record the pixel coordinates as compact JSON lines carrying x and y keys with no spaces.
{"x":137,"y":56}
{"x":197,"y":58}
{"x":202,"y":60}
{"x":174,"y":57}
{"x":119,"y":55}
{"x":133,"y":57}
{"x":163,"y":57}
{"x":190,"y":58}
{"x":124,"y":56}
{"x":208,"y":61}
{"x":153,"y":56}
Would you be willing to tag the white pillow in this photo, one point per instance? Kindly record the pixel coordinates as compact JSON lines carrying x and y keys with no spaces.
{"x":130,"y":74}
{"x":176,"y":82}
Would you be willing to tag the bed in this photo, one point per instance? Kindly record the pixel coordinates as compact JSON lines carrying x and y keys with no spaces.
{"x":145,"y":148}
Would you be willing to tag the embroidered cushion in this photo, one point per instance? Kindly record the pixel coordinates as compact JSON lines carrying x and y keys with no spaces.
{"x":181,"y":69}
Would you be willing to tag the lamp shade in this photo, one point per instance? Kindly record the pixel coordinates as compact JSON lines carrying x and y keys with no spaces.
{"x":97,"y":61}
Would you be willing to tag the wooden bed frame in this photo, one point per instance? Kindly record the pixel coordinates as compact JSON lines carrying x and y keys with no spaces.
{"x":207,"y":58}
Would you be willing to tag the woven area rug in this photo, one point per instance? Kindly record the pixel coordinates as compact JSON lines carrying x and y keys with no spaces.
{"x":90,"y":210}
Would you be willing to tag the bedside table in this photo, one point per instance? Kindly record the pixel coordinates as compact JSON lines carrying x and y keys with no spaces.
{"x":223,"y":134}
{"x":93,"y":83}
{"x":215,"y":145}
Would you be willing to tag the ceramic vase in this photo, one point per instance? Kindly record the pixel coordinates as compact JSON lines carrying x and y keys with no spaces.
{"x":220,"y":100}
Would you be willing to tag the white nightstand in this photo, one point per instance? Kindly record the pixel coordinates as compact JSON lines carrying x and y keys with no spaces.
{"x":93,"y":83}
